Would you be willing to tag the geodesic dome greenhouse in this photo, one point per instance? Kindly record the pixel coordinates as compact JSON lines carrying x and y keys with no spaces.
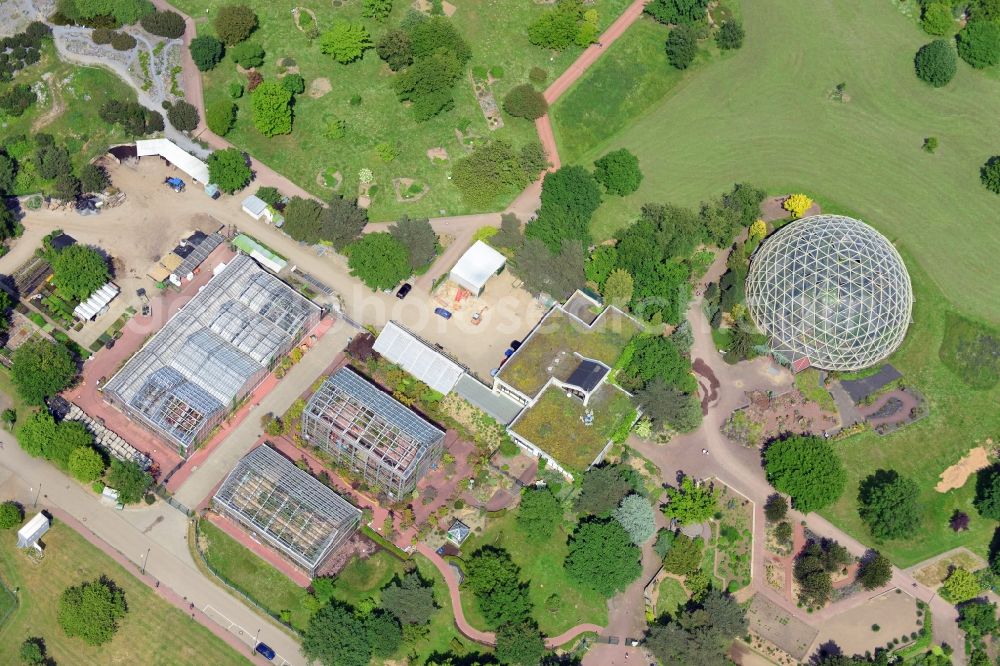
{"x":830,"y":292}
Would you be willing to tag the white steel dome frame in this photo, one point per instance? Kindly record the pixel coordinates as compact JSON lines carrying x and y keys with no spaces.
{"x":831,"y":292}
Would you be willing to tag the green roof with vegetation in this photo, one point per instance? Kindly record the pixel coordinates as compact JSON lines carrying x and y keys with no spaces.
{"x":555,"y":424}
{"x":558,"y":336}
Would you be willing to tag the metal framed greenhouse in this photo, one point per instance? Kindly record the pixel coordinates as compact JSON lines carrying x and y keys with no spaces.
{"x":213,"y":352}
{"x":371,"y":433}
{"x":831,"y":292}
{"x":290,"y":509}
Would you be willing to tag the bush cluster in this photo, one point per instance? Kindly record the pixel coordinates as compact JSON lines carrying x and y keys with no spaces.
{"x":163,"y":24}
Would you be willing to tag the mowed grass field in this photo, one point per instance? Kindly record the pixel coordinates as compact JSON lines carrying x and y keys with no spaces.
{"x":764,"y":115}
{"x":959,"y":419}
{"x":153,"y":632}
{"x":542,"y":568}
{"x":496,"y":31}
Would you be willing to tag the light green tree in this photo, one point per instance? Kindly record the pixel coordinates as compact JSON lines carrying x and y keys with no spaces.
{"x":618,"y":288}
{"x":272,"y":112}
{"x":960,"y":585}
{"x":346,"y":42}
{"x":691,"y":502}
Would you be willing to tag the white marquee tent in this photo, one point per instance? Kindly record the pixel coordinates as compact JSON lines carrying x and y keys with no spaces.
{"x":409,"y":352}
{"x":479,"y":263}
{"x":174,"y":154}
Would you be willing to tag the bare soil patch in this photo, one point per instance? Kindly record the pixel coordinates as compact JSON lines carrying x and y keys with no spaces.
{"x":434,"y":154}
{"x":777,"y":626}
{"x":54,"y":111}
{"x":319,"y":87}
{"x":766,"y":417}
{"x":934,"y":572}
{"x":425,"y":6}
{"x":955,"y":476}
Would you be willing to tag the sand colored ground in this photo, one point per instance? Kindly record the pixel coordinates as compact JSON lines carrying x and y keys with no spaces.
{"x":933,"y":572}
{"x":894,"y":612}
{"x":956,"y":475}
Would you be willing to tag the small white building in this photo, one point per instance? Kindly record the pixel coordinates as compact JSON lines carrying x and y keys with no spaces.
{"x":257,"y":208}
{"x":32,"y":531}
{"x":171,"y":152}
{"x":96,"y":302}
{"x":479,"y":263}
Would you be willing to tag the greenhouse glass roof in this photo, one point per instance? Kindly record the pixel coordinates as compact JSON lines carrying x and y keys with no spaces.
{"x":294,"y":511}
{"x":209,"y":354}
{"x":831,"y":292}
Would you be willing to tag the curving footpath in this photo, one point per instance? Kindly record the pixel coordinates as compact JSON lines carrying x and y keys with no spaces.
{"x":488,"y":637}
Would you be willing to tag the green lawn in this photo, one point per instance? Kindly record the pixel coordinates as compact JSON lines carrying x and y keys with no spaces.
{"x":542,"y":567}
{"x":83,"y":90}
{"x":672,"y":596}
{"x":496,"y":31}
{"x":362,"y":579}
{"x":765,"y":115}
{"x":960,"y":417}
{"x":153,"y":632}
{"x":807,"y":382}
{"x":246,"y":571}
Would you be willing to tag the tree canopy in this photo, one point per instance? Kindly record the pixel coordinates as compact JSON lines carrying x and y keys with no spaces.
{"x":683,"y":554}
{"x":163,"y":24}
{"x":570,"y":196}
{"x":539,"y":513}
{"x":495,"y":581}
{"x":410,"y":599}
{"x":11,"y":515}
{"x":602,"y":556}
{"x":41,"y":368}
{"x":875,"y":571}
{"x":682,"y":46}
{"x":92,"y":610}
{"x":379,"y":260}
{"x":272,"y":110}
{"x":220,"y":116}
{"x":960,"y":585}
{"x":234,"y":23}
{"x":690,"y":502}
{"x":979,"y":43}
{"x":602,"y":490}
{"x":207,"y":52}
{"x":183,"y":116}
{"x":336,"y":637}
{"x":228,"y":169}
{"x":730,"y":35}
{"x":524,"y":101}
{"x":667,"y":406}
{"x":78,"y":271}
{"x":987,"y":500}
{"x":345,"y":41}
{"x":887,"y":503}
{"x":129,"y":480}
{"x":636,"y":515}
{"x":619,"y":173}
{"x":989,"y":174}
{"x":491,"y":170}
{"x":395,"y":48}
{"x":520,"y":644}
{"x":419,"y":239}
{"x":677,"y":12}
{"x":86,"y":464}
{"x":935,"y":63}
{"x":698,"y":634}
{"x":807,"y":469}
{"x":978,"y":619}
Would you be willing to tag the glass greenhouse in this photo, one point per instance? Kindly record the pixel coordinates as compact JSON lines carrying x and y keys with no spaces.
{"x":286,"y":506}
{"x":370,"y":432}
{"x":213,"y":352}
{"x":831,"y":292}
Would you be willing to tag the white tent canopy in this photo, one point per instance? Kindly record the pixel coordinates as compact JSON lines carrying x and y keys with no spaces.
{"x":479,"y":263}
{"x":96,"y":302}
{"x":32,"y":531}
{"x":413,"y":355}
{"x":174,"y":154}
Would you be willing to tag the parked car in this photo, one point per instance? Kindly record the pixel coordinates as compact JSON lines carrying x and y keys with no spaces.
{"x":176,"y":184}
{"x":508,"y":352}
{"x":515,"y":344}
{"x":404,"y":290}
{"x":441,"y":312}
{"x":265,"y":650}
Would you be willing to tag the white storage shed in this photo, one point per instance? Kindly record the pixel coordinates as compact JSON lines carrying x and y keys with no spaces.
{"x":479,"y":263}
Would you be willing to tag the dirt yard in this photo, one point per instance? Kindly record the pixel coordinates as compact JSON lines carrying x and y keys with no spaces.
{"x":777,"y":626}
{"x":895,"y":614}
{"x":956,"y":475}
{"x":933,"y":572}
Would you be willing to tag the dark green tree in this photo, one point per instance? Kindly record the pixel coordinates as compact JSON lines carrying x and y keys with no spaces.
{"x":234,"y":23}
{"x":652,"y":357}
{"x":336,"y":637}
{"x":875,"y":571}
{"x":699,"y":634}
{"x":602,"y":490}
{"x":543,"y":272}
{"x":524,"y":101}
{"x":935,"y":63}
{"x":384,"y":633}
{"x":776,"y":508}
{"x":987,"y":500}
{"x":495,"y":582}
{"x":247,"y":55}
{"x":730,"y":35}
{"x":294,"y":83}
{"x":570,"y":196}
{"x":979,"y":43}
{"x":669,"y":407}
{"x":419,"y":239}
{"x":33,"y":652}
{"x":618,"y":172}
{"x":228,"y":169}
{"x":684,"y":555}
{"x":520,"y":644}
{"x":92,"y":610}
{"x":41,"y":368}
{"x":220,"y":116}
{"x":807,"y":469}
{"x":93,"y":178}
{"x":428,"y":83}
{"x":378,"y":260}
{"x":207,"y":52}
{"x":491,"y":170}
{"x":78,"y":271}
{"x":887,"y":503}
{"x":436,"y":34}
{"x":11,"y":516}
{"x":410,"y":599}
{"x":302,"y":220}
{"x":682,"y":46}
{"x":677,"y":12}
{"x":603,"y":557}
{"x":163,"y":24}
{"x":978,"y":619}
{"x":129,"y":480}
{"x":396,"y":49}
{"x":509,"y":236}
{"x":989,"y":174}
{"x":342,"y":221}
{"x":183,"y":116}
{"x":539,"y":513}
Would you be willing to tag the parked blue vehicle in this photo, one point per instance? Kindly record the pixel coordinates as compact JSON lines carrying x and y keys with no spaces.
{"x":176,"y":184}
{"x":264,"y":650}
{"x":441,"y":312}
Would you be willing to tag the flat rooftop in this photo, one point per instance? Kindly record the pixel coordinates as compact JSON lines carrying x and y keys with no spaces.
{"x":549,"y":350}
